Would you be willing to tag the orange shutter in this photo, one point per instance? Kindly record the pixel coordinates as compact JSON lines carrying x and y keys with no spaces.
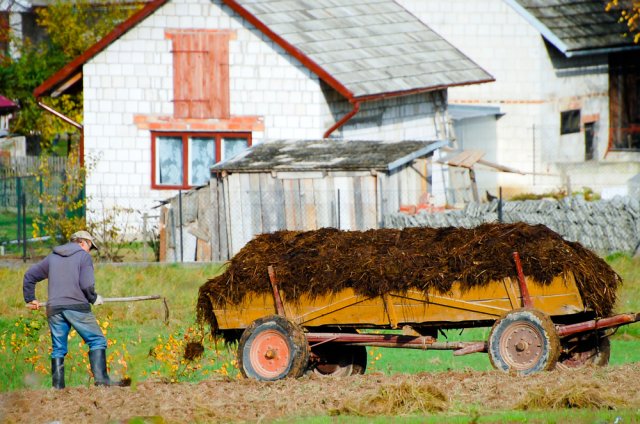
{"x":200,"y":73}
{"x":4,"y":35}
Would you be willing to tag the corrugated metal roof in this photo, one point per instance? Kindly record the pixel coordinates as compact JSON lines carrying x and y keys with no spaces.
{"x":369,"y":46}
{"x":576,"y":27}
{"x":328,"y":155}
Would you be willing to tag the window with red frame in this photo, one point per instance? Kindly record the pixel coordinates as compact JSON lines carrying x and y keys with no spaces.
{"x":183,"y":160}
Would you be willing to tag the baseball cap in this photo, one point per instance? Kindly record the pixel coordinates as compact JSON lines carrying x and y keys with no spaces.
{"x":86,"y":236}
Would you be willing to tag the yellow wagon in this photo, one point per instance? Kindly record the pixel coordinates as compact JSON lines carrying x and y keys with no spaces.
{"x":534,"y":326}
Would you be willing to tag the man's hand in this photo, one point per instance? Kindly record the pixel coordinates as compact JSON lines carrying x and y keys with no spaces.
{"x":34,"y":305}
{"x":99,"y":301}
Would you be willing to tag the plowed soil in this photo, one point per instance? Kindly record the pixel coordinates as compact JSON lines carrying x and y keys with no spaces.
{"x":368,"y":395}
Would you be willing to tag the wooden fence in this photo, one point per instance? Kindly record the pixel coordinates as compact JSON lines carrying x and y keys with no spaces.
{"x":18,"y":175}
{"x":29,"y":165}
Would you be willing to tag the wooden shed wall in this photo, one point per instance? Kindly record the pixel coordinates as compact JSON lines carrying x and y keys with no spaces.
{"x":218,"y":220}
{"x":265,"y":202}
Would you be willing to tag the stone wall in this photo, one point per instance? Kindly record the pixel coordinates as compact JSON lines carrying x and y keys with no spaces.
{"x":604,"y":226}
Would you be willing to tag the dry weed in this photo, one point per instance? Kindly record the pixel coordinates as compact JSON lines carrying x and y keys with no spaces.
{"x":405,"y":398}
{"x":225,"y":400}
{"x":570,"y":394}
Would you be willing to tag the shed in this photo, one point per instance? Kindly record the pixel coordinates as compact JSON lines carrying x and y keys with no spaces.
{"x":7,"y":107}
{"x":298,"y":185}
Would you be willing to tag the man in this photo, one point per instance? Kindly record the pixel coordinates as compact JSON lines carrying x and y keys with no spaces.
{"x":71,"y":292}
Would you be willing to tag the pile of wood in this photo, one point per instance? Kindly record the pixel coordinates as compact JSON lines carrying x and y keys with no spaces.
{"x":325,"y":261}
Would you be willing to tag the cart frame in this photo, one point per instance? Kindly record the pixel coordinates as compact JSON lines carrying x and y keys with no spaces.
{"x":523,"y":335}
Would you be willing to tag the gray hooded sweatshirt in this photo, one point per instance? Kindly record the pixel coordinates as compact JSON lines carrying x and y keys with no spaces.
{"x":71,"y":280}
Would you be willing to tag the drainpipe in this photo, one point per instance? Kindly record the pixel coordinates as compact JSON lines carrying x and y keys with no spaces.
{"x":68,"y":121}
{"x":344,"y":119}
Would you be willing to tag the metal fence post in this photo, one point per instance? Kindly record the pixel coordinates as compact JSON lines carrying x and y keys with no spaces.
{"x":145,"y":217}
{"x":24,"y":227}
{"x":40,"y":206}
{"x":18,"y":208}
{"x":180,"y":212}
{"x":500,"y":205}
{"x":172,"y":222}
{"x":338,"y":208}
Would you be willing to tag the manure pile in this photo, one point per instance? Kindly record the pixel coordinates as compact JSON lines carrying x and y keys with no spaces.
{"x":373,"y":262}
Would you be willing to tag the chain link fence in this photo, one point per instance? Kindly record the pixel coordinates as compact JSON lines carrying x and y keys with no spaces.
{"x":21,"y":194}
{"x":197,"y":227}
{"x":201,"y":225}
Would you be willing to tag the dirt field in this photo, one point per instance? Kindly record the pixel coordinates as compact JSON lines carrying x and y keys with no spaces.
{"x":367,"y":395}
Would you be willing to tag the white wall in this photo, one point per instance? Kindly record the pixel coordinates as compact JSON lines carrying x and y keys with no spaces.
{"x":479,"y":133}
{"x":530,"y":88}
{"x":415,"y":117}
{"x":134,"y":76}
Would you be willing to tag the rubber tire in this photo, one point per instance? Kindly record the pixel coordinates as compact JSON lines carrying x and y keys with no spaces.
{"x":287,"y":334}
{"x":593,"y":350}
{"x":536,"y":323}
{"x":340,"y":360}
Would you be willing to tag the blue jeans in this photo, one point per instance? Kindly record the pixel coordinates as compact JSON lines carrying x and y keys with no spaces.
{"x":83,"y":322}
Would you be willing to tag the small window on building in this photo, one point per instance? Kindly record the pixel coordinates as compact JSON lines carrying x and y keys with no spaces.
{"x":570,"y":121}
{"x":183,"y":160}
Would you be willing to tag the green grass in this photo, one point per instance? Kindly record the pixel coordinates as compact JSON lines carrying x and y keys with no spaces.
{"x":625,"y":344}
{"x":9,"y":225}
{"x":134,"y":329}
{"x":146,"y":347}
{"x":416,"y":360}
{"x":475,"y":416}
{"x":623,"y":351}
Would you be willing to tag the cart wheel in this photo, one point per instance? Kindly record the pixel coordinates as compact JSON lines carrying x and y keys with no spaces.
{"x":272,"y":348}
{"x":525,"y":341}
{"x":337,"y":360}
{"x":585,"y":350}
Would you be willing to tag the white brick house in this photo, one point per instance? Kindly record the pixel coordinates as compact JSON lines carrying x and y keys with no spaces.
{"x":209,"y":77}
{"x":551,"y":60}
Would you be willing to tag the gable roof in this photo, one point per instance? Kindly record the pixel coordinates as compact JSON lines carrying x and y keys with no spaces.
{"x":332,"y":155}
{"x":576,"y":27}
{"x":6,"y":104}
{"x":369,"y":46}
{"x":364,"y":49}
{"x":19,"y":6}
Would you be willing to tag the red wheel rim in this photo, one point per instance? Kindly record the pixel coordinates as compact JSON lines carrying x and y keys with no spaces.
{"x":270,"y":354}
{"x":521,"y":346}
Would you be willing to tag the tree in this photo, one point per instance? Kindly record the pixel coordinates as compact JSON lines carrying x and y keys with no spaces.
{"x":76,"y":25}
{"x":71,"y":27}
{"x":629,"y":14}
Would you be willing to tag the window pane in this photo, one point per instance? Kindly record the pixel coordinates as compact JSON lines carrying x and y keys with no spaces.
{"x":202,"y":152}
{"x":233,"y":146}
{"x":169,"y":154}
{"x":570,"y":121}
